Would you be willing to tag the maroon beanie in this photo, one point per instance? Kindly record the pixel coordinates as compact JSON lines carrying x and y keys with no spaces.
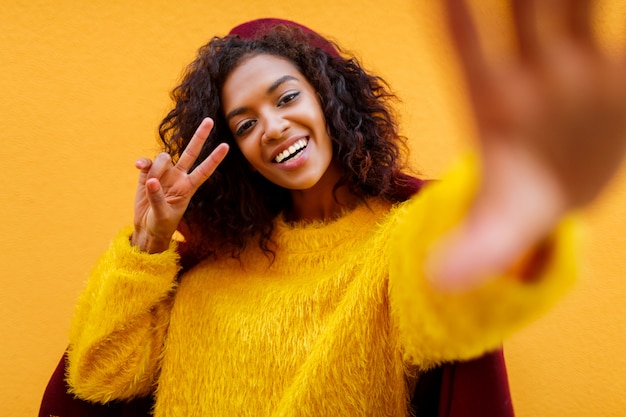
{"x":259,"y":27}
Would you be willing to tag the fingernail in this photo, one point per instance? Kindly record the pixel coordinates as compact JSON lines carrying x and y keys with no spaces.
{"x":152,"y":185}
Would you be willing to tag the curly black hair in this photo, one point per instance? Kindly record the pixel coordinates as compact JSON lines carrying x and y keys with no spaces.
{"x":236,"y":205}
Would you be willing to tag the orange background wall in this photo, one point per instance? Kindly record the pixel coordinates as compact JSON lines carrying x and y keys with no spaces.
{"x":83,"y":85}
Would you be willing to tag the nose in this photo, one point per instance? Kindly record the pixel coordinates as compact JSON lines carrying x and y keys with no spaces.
{"x":275,"y":126}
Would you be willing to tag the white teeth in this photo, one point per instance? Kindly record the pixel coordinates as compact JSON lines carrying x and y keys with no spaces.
{"x":301,"y":144}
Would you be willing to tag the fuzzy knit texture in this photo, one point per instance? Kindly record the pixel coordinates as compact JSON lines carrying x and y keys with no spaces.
{"x":337,"y":325}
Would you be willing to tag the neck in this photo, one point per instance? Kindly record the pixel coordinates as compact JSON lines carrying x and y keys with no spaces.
{"x":321,"y":202}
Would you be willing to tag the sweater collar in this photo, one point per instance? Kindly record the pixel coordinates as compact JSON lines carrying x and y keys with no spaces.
{"x":321,"y":235}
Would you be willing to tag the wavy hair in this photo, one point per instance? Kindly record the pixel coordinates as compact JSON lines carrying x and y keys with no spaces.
{"x":236,"y":206}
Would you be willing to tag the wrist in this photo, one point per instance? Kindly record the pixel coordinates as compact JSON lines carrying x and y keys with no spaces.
{"x":149,"y":243}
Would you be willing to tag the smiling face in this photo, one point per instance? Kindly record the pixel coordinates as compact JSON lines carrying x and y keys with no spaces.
{"x":277,"y":121}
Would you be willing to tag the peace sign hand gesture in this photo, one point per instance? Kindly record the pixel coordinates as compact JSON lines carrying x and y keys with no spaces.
{"x":552,"y":127}
{"x":165,"y":189}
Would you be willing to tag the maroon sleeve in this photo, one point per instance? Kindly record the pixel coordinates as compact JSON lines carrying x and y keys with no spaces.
{"x":57,"y":402}
{"x":479,"y":387}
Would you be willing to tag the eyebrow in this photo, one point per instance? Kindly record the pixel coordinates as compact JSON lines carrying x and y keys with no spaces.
{"x":269,"y":91}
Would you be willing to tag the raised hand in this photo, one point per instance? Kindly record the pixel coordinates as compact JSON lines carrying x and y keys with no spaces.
{"x":552,"y":129}
{"x":164,"y":190}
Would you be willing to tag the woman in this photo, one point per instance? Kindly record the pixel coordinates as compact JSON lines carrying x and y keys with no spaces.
{"x":309,"y":284}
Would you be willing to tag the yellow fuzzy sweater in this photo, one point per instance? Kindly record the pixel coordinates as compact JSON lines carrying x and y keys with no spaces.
{"x":335,"y":326}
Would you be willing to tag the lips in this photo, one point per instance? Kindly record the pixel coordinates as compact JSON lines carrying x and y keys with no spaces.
{"x":291,"y":151}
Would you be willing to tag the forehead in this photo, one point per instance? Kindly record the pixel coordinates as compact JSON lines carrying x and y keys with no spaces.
{"x":255,"y":75}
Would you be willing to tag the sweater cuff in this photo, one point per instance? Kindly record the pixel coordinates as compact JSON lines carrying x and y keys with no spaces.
{"x":436,"y":326}
{"x":128,"y":256}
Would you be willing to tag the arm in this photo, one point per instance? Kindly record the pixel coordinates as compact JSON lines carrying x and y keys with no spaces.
{"x":437,"y":325}
{"x":121,"y":320}
{"x":551,"y":124}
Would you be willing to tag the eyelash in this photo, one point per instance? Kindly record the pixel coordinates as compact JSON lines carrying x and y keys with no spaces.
{"x":244,"y":127}
{"x":286,"y":99}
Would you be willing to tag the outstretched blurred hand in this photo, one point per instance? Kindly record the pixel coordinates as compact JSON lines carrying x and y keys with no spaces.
{"x":165,"y":189}
{"x":552,"y":133}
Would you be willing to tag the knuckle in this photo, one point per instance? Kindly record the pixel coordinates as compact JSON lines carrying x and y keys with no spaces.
{"x":164,"y":157}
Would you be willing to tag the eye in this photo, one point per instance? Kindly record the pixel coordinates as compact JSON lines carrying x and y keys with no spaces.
{"x":287,"y":98}
{"x":244,"y":127}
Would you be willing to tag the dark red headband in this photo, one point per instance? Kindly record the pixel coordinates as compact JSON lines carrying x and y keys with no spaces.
{"x":256,"y":28}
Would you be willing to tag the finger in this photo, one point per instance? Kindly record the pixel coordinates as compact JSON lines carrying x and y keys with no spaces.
{"x":525,"y":25}
{"x":191,"y":152}
{"x":143,"y":165}
{"x":467,"y":42}
{"x":578,"y":19}
{"x":569,"y":18}
{"x":203,"y":171}
{"x":156,"y":197}
{"x":161,"y":163}
{"x":539,"y":24}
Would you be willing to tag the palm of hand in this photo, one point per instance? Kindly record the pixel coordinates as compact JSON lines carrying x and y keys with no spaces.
{"x":176,"y":192}
{"x":552,"y":132}
{"x":165,"y":189}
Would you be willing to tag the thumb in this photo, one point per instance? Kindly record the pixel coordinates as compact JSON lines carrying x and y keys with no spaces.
{"x":518,"y":203}
{"x":473,"y":253}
